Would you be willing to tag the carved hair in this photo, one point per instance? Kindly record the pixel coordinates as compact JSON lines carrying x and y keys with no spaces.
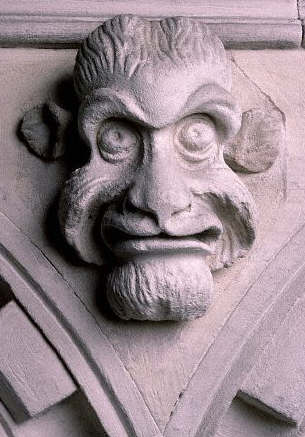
{"x":127,"y":44}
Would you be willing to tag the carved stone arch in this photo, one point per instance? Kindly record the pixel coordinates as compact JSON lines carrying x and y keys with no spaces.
{"x":43,"y":294}
{"x":255,"y":322}
{"x":241,"y":356}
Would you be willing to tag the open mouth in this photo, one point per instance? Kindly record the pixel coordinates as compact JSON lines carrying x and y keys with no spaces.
{"x":124,"y":245}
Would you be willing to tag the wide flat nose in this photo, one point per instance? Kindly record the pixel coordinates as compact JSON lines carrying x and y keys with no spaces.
{"x":159,"y":190}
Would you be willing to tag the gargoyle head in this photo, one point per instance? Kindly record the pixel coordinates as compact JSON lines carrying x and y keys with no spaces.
{"x":156,"y":197}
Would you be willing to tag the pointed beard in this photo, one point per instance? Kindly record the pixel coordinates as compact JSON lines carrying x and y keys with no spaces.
{"x":160,"y":287}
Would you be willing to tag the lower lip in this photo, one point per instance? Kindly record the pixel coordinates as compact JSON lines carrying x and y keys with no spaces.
{"x":155,"y":245}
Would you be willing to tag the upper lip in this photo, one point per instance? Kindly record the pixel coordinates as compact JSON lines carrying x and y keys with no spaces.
{"x":126,"y":245}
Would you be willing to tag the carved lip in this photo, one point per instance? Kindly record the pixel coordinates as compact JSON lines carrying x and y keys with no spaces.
{"x":124,"y":245}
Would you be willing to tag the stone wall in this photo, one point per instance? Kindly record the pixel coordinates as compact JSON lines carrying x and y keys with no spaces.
{"x":156,"y":378}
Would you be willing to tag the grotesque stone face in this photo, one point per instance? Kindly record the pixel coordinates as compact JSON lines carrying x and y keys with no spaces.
{"x":156,"y":199}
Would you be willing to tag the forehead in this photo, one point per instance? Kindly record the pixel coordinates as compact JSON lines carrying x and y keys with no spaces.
{"x":155,"y":99}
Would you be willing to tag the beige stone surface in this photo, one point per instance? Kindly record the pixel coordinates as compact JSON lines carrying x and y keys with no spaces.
{"x":263,"y":24}
{"x":276,"y":383}
{"x":160,"y":357}
{"x":32,"y":377}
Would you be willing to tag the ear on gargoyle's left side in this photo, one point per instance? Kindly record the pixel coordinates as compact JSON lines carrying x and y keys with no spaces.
{"x":258,"y":143}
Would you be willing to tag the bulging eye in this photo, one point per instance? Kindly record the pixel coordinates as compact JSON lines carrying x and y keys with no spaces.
{"x":196,"y":138}
{"x":118,"y":140}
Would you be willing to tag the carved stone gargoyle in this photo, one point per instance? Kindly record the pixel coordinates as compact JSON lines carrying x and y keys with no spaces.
{"x":158,"y":198}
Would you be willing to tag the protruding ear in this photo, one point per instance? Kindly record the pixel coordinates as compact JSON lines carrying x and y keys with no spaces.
{"x":258,"y":142}
{"x":44,"y":129}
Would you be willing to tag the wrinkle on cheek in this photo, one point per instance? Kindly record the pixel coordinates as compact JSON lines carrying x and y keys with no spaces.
{"x":81,"y":205}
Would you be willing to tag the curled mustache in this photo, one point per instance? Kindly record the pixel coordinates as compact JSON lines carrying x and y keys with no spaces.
{"x":235,"y":207}
{"x":83,"y":198}
{"x":79,"y":211}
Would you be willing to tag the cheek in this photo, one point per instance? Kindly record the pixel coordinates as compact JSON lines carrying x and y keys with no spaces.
{"x":120,"y":174}
{"x":214,"y":177}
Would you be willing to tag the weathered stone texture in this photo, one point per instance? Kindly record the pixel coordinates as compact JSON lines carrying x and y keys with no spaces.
{"x":160,"y":357}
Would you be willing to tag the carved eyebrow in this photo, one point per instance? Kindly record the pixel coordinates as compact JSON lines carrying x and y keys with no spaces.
{"x":107,"y":102}
{"x":203,"y":96}
{"x":208,"y":99}
{"x":219,"y":105}
{"x":99,"y":107}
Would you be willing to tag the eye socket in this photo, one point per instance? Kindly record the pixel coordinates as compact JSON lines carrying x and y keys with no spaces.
{"x":117,"y":140}
{"x":196,"y":138}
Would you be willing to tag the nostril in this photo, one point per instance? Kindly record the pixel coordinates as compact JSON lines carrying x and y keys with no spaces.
{"x":130,"y":208}
{"x":188,"y":208}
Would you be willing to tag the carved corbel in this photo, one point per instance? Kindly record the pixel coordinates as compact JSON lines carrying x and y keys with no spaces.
{"x":158,"y":200}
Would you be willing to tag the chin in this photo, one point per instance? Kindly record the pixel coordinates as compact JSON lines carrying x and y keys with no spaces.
{"x":160,"y":287}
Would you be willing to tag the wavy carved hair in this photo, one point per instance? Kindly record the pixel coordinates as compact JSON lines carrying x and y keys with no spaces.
{"x":126,"y":44}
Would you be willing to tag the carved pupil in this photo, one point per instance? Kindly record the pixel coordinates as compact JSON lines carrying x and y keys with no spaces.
{"x":196,"y":137}
{"x":116,"y":139}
